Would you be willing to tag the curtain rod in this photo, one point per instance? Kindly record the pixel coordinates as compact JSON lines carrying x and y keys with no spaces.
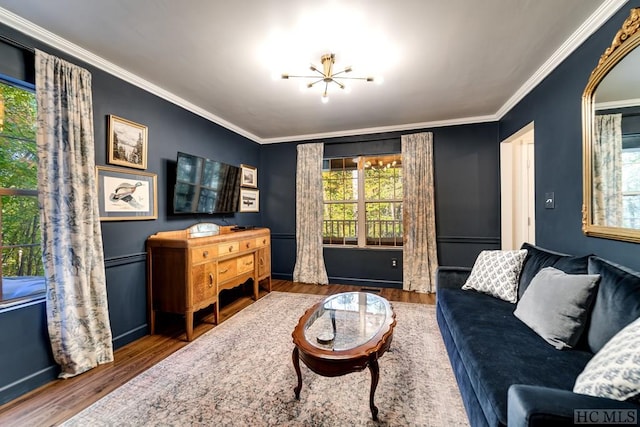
{"x":16,"y":44}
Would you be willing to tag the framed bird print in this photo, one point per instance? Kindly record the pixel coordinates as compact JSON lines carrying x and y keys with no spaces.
{"x":123,"y":195}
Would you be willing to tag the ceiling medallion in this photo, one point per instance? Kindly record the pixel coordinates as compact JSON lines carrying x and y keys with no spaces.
{"x":328,"y":76}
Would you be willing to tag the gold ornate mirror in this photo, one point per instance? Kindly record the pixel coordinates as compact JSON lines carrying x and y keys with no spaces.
{"x":611,"y":136}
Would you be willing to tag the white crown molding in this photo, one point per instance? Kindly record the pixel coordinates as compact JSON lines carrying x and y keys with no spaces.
{"x":595,"y":21}
{"x":381,"y":129}
{"x":588,"y":27}
{"x":624,"y":103}
{"x":32,"y":30}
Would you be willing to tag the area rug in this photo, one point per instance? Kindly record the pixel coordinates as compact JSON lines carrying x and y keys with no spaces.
{"x":240,"y":374}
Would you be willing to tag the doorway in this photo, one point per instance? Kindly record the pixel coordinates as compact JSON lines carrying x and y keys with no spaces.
{"x":517,"y":189}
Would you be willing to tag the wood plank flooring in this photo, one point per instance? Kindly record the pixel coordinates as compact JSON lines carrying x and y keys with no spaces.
{"x":59,"y":400}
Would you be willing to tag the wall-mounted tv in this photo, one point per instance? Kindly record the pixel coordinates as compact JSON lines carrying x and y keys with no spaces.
{"x":205,"y":186}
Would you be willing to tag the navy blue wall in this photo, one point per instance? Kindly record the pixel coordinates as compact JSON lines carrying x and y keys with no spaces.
{"x":25,"y":354}
{"x":467,"y":196}
{"x":467,"y":180}
{"x":555,"y":108}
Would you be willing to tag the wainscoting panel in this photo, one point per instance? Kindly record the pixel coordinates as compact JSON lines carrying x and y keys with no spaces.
{"x":25,"y":352}
{"x":463,"y":250}
{"x":372,"y":267}
{"x":127,"y":293}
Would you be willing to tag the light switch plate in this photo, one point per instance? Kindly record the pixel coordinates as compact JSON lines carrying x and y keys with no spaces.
{"x":549,"y":200}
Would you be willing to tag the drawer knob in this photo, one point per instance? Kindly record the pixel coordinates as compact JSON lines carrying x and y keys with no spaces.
{"x":205,"y":254}
{"x":264,"y":242}
{"x":224,"y":271}
{"x":210,"y":280}
{"x":247,"y":245}
{"x":230,"y":248}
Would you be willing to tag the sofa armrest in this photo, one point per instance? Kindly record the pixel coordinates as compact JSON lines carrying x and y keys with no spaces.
{"x":451,"y":277}
{"x":529,"y":405}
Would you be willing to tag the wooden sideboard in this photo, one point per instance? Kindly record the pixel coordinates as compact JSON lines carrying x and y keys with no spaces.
{"x":187,"y":273}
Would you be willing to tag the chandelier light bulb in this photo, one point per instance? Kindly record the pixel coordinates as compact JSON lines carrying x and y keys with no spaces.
{"x":325,"y":99}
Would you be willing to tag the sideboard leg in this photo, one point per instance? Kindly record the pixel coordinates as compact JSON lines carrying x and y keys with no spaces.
{"x":188,"y":318}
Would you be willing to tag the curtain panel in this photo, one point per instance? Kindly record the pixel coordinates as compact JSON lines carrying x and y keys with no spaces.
{"x":420,"y":256}
{"x":310,"y":267}
{"x":77,"y":312}
{"x":607,"y":170}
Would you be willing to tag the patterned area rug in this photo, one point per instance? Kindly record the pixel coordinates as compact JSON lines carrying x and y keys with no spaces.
{"x":240,"y":374}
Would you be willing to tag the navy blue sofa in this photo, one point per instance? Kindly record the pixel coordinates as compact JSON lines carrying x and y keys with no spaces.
{"x":507,"y":374}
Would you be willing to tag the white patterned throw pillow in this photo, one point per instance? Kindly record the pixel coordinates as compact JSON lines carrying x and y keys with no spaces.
{"x":496,"y":273}
{"x":614,"y":372}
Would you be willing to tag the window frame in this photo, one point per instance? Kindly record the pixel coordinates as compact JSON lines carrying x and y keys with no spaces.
{"x":361,"y":205}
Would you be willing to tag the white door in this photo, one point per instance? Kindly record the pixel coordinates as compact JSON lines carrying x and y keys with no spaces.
{"x":517,"y":186}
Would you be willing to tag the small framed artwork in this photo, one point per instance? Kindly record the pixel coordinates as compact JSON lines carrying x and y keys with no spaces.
{"x":127,"y":145}
{"x":123,"y":195}
{"x":248,"y":176}
{"x":249,"y":200}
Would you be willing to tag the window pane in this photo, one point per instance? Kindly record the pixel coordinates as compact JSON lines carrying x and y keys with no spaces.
{"x":17,"y":113}
{"x":631,"y":170}
{"x":339,"y":225}
{"x":631,"y":188}
{"x":21,"y":268}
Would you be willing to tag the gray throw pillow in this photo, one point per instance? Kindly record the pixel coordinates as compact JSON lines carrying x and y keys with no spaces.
{"x":556,"y":304}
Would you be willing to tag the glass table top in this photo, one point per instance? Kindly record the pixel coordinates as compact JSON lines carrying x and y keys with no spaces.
{"x":348,"y":320}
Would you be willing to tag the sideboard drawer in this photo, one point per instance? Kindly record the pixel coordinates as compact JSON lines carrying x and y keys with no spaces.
{"x":245,"y":264}
{"x":246,"y":245}
{"x":204,"y":254}
{"x":228,"y":248}
{"x":261,"y":242}
{"x":227,"y":270}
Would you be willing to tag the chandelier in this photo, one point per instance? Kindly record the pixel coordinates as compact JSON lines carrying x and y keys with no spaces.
{"x":328,"y":76}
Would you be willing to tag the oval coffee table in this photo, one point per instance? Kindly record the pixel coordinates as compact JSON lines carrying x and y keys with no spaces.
{"x":344,"y":333}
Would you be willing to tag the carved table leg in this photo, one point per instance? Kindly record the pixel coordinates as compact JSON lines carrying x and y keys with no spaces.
{"x":375,"y":373}
{"x":296,"y":364}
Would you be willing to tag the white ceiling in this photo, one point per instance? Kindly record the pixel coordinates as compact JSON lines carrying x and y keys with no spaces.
{"x":443,"y":62}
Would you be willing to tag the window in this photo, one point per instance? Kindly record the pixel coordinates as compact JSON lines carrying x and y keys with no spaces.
{"x":631,"y":188}
{"x":21,"y":268}
{"x":363,"y":201}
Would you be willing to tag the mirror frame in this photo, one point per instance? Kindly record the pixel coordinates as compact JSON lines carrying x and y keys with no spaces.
{"x":625,"y":40}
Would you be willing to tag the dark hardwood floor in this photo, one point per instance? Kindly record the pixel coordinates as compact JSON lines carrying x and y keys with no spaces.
{"x":57,"y":401}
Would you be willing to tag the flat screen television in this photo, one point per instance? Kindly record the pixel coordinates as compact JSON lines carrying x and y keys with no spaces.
{"x":205,"y":186}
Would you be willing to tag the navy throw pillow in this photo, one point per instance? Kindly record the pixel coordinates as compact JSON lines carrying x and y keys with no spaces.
{"x":539,"y":258}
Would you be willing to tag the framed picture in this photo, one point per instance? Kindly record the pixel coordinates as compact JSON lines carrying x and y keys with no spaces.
{"x":127,"y":144}
{"x":248,"y":176}
{"x":249,"y":200}
{"x":123,"y":195}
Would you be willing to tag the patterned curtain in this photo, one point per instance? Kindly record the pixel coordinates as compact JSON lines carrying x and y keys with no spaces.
{"x":77,"y":312}
{"x":420,"y":256}
{"x":607,"y":170}
{"x":310,"y":266}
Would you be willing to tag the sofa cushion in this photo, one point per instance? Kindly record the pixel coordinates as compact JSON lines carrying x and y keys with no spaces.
{"x":556,"y":305}
{"x":496,"y":273}
{"x":614,"y":372}
{"x":497,"y":350}
{"x":617,"y":303}
{"x":537,"y":258}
